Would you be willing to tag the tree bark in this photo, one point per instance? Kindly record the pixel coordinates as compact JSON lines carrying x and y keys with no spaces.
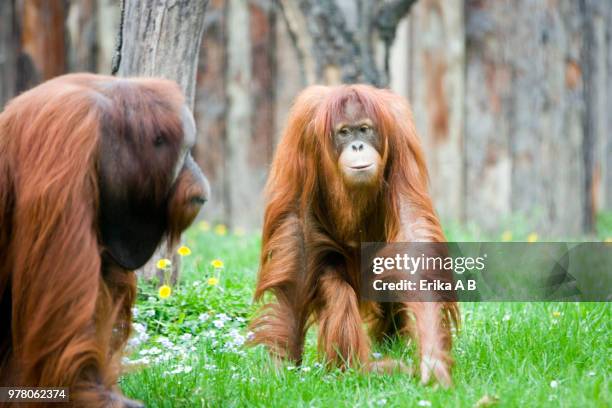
{"x":607,"y":148}
{"x":82,"y":27}
{"x":43,"y":42}
{"x":9,"y":50}
{"x":596,"y":19}
{"x":235,"y":104}
{"x":338,"y":40}
{"x":161,"y":38}
{"x":529,"y":121}
{"x":211,"y":109}
{"x":436,"y":76}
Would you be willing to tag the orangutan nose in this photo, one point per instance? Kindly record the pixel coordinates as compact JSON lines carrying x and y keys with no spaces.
{"x":357,"y":146}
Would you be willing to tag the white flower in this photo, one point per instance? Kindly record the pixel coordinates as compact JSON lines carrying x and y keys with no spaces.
{"x":235,"y":376}
{"x":186,"y":337}
{"x":134,"y":342}
{"x":424,"y":403}
{"x":554,"y":384}
{"x":149,"y":313}
{"x":219,"y":323}
{"x":382,"y":401}
{"x":223,"y":317}
{"x":306,"y":369}
{"x":506,"y":317}
{"x":203,"y":317}
{"x":376,"y":355}
{"x":165,"y":342}
{"x":134,"y":312}
{"x":152,"y":351}
{"x":290,"y":368}
{"x":591,"y":373}
{"x":139,"y":361}
{"x":139,"y":328}
{"x":240,"y":319}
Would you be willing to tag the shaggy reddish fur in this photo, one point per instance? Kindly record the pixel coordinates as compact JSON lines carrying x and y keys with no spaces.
{"x":65,"y":305}
{"x":313,"y":226}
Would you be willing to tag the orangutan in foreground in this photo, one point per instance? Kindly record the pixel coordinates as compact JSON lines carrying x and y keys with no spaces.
{"x":94,"y":172}
{"x":348,"y":169}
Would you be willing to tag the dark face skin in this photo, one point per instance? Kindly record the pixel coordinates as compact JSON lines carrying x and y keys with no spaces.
{"x":141,"y":200}
{"x":357,"y":144}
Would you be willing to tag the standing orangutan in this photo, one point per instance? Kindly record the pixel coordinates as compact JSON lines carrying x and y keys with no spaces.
{"x":348,"y":169}
{"x":94,"y":172}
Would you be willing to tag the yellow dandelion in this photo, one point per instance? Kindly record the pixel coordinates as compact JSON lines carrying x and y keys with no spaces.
{"x":213,"y":281}
{"x":506,"y":236}
{"x":164,"y":263}
{"x":164,"y":291}
{"x":183,"y":251}
{"x":204,"y":226}
{"x":239,"y":232}
{"x":556,"y":314}
{"x":533,"y":237}
{"x":220,"y":229}
{"x":217,"y":263}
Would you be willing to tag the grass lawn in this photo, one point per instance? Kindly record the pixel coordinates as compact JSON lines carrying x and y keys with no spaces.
{"x":187,"y":348}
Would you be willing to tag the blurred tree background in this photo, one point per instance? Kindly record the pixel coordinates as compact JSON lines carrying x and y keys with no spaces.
{"x":513,"y":99}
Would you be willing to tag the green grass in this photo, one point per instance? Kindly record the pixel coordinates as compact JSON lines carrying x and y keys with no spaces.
{"x":525,"y":354}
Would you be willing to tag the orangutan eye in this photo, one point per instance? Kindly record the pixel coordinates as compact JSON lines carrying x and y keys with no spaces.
{"x":344,"y":131}
{"x":364,"y":128}
{"x":159,"y":141}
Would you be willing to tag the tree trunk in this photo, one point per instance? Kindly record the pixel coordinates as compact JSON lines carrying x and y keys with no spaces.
{"x":211,"y":109}
{"x":525,"y":115}
{"x":596,"y":14}
{"x":339,"y":41}
{"x":235,"y":104}
{"x":161,"y":39}
{"x":607,"y":148}
{"x":82,"y":25}
{"x":43,"y":39}
{"x":9,"y":50}
{"x":435,"y":86}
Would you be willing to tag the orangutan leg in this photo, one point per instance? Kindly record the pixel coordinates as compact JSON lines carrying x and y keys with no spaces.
{"x":280,"y":326}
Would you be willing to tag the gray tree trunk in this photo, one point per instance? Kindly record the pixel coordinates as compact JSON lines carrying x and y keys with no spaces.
{"x":161,"y":39}
{"x":433,"y":80}
{"x":535,"y":128}
{"x":235,"y":104}
{"x":211,"y":108}
{"x":343,"y":41}
{"x":9,"y":49}
{"x":607,"y":148}
{"x":82,"y":27}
